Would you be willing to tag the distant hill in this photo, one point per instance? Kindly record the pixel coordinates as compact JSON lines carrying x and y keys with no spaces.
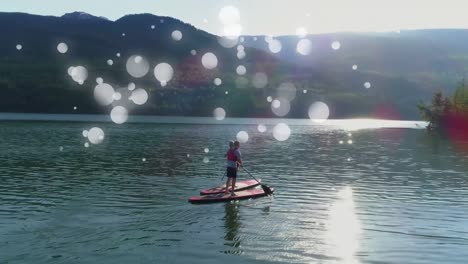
{"x":402,"y":68}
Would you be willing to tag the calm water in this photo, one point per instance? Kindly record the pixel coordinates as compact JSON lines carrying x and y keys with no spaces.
{"x":392,"y":196}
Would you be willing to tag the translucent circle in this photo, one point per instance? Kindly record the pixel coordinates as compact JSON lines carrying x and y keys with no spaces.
{"x":70,"y":70}
{"x":99,"y":80}
{"x":336,"y":45}
{"x":287,"y":90}
{"x":218,"y":81}
{"x":161,"y":20}
{"x":206,"y":160}
{"x":349,"y":134}
{"x":260,"y":80}
{"x":131,"y":86}
{"x":206,"y":150}
{"x":104,"y":94}
{"x":163,"y":72}
{"x":226,"y":92}
{"x":138,"y":59}
{"x":242,"y":136}
{"x":188,"y":155}
{"x":85,"y":133}
{"x":275,"y":46}
{"x":350,"y":142}
{"x":276,"y":103}
{"x":241,"y":54}
{"x":240,"y":47}
{"x":117,"y":96}
{"x":119,"y":114}
{"x":354,"y":67}
{"x":232,"y":31}
{"x":137,"y":69}
{"x":241,"y":70}
{"x":341,"y":142}
{"x":19,"y":46}
{"x":304,"y":46}
{"x":283,"y":108}
{"x":270,"y":99}
{"x":228,"y":42}
{"x":301,"y":32}
{"x":123,"y":34}
{"x":110,"y":62}
{"x":61,"y":149}
{"x":241,"y":39}
{"x":153,"y":26}
{"x":176,"y":35}
{"x":79,"y":74}
{"x":319,"y":112}
{"x":95,"y":135}
{"x":193,"y":52}
{"x":74,"y":108}
{"x":229,"y":15}
{"x":209,"y":61}
{"x":118,"y":54}
{"x":261,"y":128}
{"x":139,"y":96}
{"x":268,"y":39}
{"x":143,"y":159}
{"x":281,"y":132}
{"x":62,"y":48}
{"x":219,"y":113}
{"x":86,"y":145}
{"x":304,"y":91}
{"x":367,"y":85}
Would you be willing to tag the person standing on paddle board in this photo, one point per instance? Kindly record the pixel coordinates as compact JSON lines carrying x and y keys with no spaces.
{"x":233,"y":162}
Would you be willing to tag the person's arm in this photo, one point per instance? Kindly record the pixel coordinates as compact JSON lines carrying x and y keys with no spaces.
{"x":239,"y":158}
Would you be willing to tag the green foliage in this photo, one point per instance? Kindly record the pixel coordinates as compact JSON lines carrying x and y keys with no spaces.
{"x":437,"y":111}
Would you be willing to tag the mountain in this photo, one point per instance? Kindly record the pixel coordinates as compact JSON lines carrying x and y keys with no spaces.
{"x":401,"y":68}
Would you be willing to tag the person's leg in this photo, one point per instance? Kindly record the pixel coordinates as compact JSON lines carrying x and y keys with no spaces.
{"x":234,"y":182}
{"x":227,"y":185}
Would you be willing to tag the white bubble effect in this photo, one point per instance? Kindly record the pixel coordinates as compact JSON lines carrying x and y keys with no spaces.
{"x":301,"y":32}
{"x":319,"y":112}
{"x":104,"y":93}
{"x":287,"y":90}
{"x":206,"y":150}
{"x":153,"y":26}
{"x":193,"y":52}
{"x":242,"y":136}
{"x":131,"y":86}
{"x":367,"y":85}
{"x":304,"y":91}
{"x":119,"y":114}
{"x":219,"y":114}
{"x":70,"y":70}
{"x":61,"y":149}
{"x":85,"y":133}
{"x":261,"y":128}
{"x":99,"y":80}
{"x":118,"y":54}
{"x":218,"y":81}
{"x":74,"y":108}
{"x":86,"y":145}
{"x":260,"y":80}
{"x":209,"y":61}
{"x":228,"y":42}
{"x":163,"y":73}
{"x":206,"y":160}
{"x":176,"y":35}
{"x":117,"y":96}
{"x":280,"y":107}
{"x":79,"y":74}
{"x":229,"y":15}
{"x":143,"y":159}
{"x":226,"y":92}
{"x":350,"y":142}
{"x":96,"y":135}
{"x":281,"y":132}
{"x":19,"y":46}
{"x":242,"y":82}
{"x":232,"y":31}
{"x":270,"y":99}
{"x":355,"y":67}
{"x":336,"y":45}
{"x":275,"y":46}
{"x":137,"y":69}
{"x":110,"y":62}
{"x":139,"y":96}
{"x":62,"y":47}
{"x":241,"y":70}
{"x":240,"y":54}
{"x":304,"y":47}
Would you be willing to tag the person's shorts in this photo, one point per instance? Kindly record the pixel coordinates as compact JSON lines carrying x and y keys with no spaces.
{"x":231,"y":172}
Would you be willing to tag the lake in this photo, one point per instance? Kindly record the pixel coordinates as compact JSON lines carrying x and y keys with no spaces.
{"x":385,"y":195}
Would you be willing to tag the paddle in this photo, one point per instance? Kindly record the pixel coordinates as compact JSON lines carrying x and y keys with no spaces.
{"x":265,"y":188}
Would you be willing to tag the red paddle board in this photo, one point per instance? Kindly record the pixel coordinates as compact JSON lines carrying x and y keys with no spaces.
{"x":240,"y":186}
{"x":221,"y":197}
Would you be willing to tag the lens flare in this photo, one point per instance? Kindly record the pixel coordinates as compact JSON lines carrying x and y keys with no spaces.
{"x":242,"y":136}
{"x":219,"y":113}
{"x":137,"y":66}
{"x":281,"y":132}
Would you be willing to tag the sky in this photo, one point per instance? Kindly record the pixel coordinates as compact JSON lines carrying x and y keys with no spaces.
{"x":273,"y":17}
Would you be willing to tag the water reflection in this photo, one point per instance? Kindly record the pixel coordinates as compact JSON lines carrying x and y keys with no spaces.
{"x":343,"y":229}
{"x":232,"y":225}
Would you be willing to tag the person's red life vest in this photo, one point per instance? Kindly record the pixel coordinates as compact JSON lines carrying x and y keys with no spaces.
{"x":231,"y":155}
